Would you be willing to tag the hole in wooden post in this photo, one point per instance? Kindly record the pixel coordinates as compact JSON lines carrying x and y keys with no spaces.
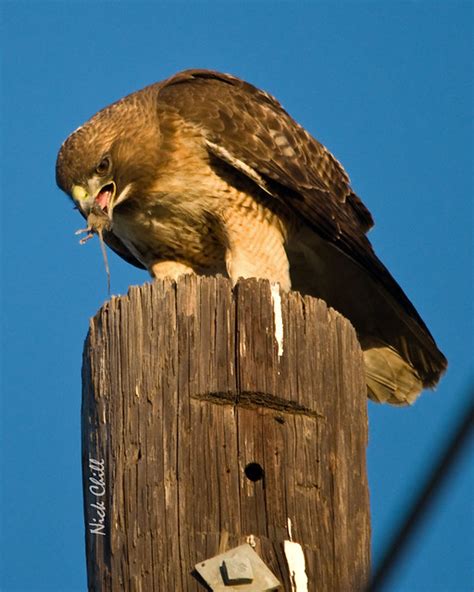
{"x":254,"y":471}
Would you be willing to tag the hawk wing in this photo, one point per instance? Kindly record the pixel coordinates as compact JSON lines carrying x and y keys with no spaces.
{"x":249,"y":129}
{"x":252,"y":127}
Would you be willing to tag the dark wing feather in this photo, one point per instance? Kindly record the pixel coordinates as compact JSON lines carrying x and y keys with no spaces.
{"x":114,"y":243}
{"x":253,"y":127}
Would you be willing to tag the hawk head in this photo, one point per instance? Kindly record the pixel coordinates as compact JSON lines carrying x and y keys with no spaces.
{"x":110,"y":158}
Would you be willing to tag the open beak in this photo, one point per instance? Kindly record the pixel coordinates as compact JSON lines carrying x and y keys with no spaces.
{"x":104,"y":198}
{"x":95,"y":196}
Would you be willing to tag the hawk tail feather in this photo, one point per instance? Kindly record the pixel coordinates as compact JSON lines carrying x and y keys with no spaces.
{"x":390,"y":379}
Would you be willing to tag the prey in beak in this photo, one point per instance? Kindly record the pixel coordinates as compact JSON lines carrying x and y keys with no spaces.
{"x":99,"y":218}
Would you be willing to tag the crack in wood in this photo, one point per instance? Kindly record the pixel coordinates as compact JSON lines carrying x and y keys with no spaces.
{"x":251,"y":400}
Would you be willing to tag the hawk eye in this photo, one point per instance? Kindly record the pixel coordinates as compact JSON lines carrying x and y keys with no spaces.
{"x":104,"y":166}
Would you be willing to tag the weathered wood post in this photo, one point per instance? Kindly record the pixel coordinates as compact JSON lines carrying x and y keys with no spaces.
{"x":212,"y":417}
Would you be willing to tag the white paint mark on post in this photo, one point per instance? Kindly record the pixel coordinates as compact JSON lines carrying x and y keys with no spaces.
{"x":251,"y":541}
{"x":290,"y":534}
{"x":296,"y":563}
{"x":278,"y":317}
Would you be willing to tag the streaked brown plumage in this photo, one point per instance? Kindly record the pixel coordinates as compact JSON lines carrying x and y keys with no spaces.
{"x":205,"y":173}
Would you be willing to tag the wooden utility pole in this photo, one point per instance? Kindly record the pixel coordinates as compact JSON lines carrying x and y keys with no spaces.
{"x":212,"y":417}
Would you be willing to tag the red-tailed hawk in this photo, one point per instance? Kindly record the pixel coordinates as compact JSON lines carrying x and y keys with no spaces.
{"x":205,"y":173}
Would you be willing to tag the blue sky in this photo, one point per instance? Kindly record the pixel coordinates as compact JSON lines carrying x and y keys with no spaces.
{"x":386,"y":86}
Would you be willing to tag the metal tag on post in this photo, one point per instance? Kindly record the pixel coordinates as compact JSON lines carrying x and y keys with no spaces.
{"x":240,"y":569}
